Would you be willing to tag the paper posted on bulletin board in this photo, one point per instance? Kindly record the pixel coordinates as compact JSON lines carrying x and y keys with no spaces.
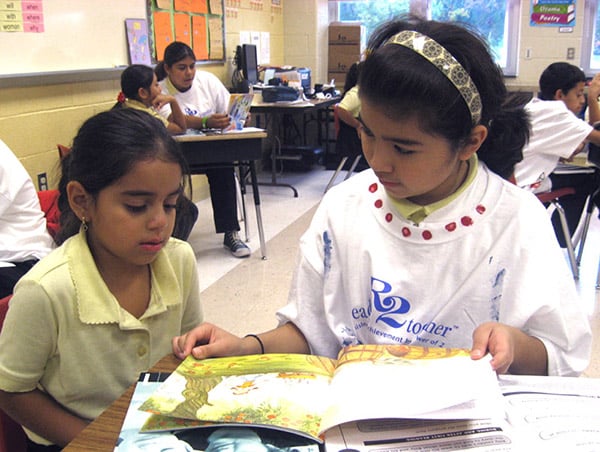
{"x":198,"y":23}
{"x":553,"y":13}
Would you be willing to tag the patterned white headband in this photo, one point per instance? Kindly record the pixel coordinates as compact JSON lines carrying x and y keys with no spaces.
{"x":437,"y":55}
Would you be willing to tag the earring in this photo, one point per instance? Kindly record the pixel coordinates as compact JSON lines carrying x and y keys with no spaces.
{"x":84,"y":225}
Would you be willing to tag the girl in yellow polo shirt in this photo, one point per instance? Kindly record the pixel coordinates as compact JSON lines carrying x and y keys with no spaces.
{"x":140,"y":90}
{"x":103,"y":306}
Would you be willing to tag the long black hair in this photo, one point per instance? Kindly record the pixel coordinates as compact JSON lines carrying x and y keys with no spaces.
{"x":405,"y":84}
{"x":174,"y":52}
{"x":105,"y":148}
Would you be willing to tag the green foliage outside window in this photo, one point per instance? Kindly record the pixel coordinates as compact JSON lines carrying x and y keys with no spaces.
{"x":487,"y":17}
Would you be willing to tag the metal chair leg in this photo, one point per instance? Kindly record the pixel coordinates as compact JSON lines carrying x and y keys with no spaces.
{"x":353,"y":167}
{"x":567,"y":236}
{"x":241,"y":203}
{"x":335,"y":174}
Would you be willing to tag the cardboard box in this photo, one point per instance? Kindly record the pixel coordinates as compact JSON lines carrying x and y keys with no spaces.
{"x":346,"y":33}
{"x":342,"y":56}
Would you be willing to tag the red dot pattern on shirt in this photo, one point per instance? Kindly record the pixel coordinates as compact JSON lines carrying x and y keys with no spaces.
{"x":426,"y":234}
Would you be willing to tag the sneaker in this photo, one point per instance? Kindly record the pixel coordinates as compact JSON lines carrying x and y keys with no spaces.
{"x":235,"y":245}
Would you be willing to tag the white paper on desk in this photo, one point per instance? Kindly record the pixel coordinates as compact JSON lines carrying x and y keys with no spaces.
{"x":405,"y":435}
{"x":553,"y":413}
{"x":244,"y":130}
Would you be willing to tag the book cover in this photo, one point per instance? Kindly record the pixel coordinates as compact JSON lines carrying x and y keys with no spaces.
{"x":238,"y":110}
{"x":186,"y":438}
{"x":309,"y":394}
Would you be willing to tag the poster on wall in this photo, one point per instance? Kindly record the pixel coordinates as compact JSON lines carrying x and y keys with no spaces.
{"x":137,"y":41}
{"x":198,"y":23}
{"x":557,"y":13}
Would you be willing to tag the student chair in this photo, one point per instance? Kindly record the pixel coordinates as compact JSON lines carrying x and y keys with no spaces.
{"x":348,"y":147}
{"x":12,"y":436}
{"x":552,"y":199}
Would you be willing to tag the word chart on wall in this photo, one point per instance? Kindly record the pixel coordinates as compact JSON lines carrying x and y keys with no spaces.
{"x":22,"y":16}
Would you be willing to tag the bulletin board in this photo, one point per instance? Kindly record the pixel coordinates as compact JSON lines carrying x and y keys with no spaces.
{"x":198,"y":23}
{"x":87,"y":40}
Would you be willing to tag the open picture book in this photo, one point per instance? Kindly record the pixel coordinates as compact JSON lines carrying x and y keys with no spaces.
{"x":309,"y":395}
{"x":238,"y":110}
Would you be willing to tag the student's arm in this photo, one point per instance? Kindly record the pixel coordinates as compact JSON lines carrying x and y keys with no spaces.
{"x":207,"y":340}
{"x":214,"y":121}
{"x":42,"y":415}
{"x":347,"y":117}
{"x":512,"y":350}
{"x":593,"y":105}
{"x":594,"y":137}
{"x":177,"y":120}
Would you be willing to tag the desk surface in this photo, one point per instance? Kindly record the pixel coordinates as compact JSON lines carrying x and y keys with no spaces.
{"x":246,"y":134}
{"x":293,"y":107}
{"x":101,"y":435}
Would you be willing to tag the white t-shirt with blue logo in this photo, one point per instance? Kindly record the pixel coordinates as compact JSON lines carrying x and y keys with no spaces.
{"x":367,"y":275}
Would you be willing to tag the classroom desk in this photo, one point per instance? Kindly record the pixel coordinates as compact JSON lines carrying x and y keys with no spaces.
{"x":239,"y":149}
{"x":280,"y":116}
{"x":101,"y":435}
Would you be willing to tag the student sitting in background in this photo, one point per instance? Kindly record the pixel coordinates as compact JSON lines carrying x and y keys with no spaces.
{"x":205,"y":101}
{"x":24,"y":237}
{"x":348,"y":141}
{"x":103,"y":306}
{"x":558,"y":134}
{"x":140,"y":90}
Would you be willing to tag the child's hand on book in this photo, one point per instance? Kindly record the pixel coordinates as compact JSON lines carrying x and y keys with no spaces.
{"x":208,"y":340}
{"x":511,"y":349}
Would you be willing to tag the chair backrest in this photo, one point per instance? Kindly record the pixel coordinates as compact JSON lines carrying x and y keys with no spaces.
{"x":49,"y":204}
{"x":12,"y":436}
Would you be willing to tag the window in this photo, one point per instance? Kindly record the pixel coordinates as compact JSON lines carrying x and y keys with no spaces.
{"x":496,"y":20}
{"x":590,"y":48}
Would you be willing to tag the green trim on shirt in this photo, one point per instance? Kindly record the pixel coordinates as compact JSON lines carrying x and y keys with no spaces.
{"x":416,"y":213}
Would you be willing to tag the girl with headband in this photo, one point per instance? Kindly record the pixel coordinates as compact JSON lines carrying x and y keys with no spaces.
{"x":431,"y":246}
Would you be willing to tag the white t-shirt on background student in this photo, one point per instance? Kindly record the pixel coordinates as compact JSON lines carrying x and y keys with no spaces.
{"x":555,"y":133}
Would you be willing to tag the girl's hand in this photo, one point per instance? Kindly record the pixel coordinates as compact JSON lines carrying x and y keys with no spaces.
{"x":208,"y":340}
{"x":161,"y":100}
{"x":511,"y":349}
{"x":218,"y":121}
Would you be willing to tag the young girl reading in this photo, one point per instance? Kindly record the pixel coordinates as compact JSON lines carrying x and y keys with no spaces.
{"x":140,"y":90}
{"x":104,"y":306}
{"x":430,"y":246}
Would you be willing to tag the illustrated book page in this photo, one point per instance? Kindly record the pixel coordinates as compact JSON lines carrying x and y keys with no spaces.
{"x":310,"y":394}
{"x":208,"y":436}
{"x":238,"y":110}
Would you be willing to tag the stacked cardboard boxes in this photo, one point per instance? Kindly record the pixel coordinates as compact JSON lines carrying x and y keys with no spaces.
{"x":346,"y":46}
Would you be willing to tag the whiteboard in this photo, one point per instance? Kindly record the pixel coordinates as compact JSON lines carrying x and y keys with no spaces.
{"x":78,"y":35}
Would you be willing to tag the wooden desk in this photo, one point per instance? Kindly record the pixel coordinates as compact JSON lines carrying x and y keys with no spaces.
{"x":280,"y":114}
{"x":239,"y":149}
{"x":101,"y":435}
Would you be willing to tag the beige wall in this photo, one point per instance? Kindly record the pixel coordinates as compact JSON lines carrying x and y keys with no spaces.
{"x":547,"y":45}
{"x":34,"y":119}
